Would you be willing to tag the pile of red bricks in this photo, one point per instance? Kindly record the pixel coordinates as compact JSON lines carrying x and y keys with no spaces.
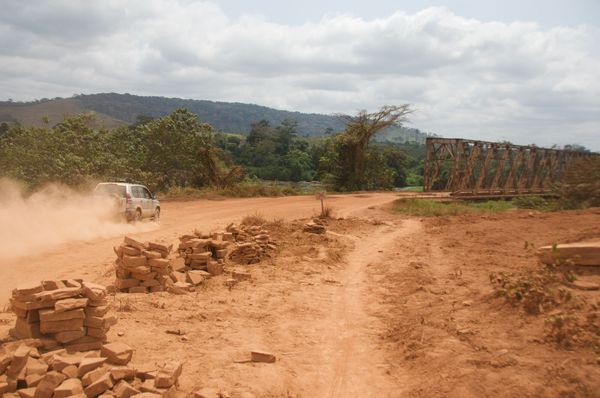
{"x":253,"y":243}
{"x":70,"y":313}
{"x":240,"y":244}
{"x":146,"y":267}
{"x":25,"y":372}
{"x":142,"y":267}
{"x":201,"y":251}
{"x":316,"y":226}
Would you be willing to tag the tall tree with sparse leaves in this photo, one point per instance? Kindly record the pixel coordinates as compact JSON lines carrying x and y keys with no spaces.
{"x":351,"y":163}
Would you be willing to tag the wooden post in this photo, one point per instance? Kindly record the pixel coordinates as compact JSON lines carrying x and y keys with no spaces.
{"x":321,"y":197}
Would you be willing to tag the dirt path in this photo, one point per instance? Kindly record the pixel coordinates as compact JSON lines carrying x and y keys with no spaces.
{"x":359,"y":365}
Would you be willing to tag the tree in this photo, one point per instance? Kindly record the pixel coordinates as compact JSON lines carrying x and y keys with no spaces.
{"x":396,"y":160}
{"x":350,"y":147}
{"x":176,"y":147}
{"x":299,"y":165}
{"x":140,"y":120}
{"x":70,"y":152}
{"x":576,"y":148}
{"x":284,"y":136}
{"x":275,"y":153}
{"x":259,"y":132}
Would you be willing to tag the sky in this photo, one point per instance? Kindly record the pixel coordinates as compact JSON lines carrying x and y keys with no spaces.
{"x":525,"y":71}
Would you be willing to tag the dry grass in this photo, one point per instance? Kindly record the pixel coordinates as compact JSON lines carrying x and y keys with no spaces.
{"x":124,"y":304}
{"x":254,"y":219}
{"x":327,"y":212}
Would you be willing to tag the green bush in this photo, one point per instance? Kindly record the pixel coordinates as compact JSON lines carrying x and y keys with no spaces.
{"x":530,"y":202}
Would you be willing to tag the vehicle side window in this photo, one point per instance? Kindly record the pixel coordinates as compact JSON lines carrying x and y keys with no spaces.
{"x":147,"y":193}
{"x":136,"y":192}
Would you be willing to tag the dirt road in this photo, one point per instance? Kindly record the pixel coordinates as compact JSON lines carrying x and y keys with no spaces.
{"x":89,"y":259}
{"x":382,"y":305}
{"x":358,"y":364}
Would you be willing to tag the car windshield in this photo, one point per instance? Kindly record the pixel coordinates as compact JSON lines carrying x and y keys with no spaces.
{"x":110,"y":189}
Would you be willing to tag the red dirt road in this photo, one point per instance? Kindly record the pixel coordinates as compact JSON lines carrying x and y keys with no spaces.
{"x":91,"y":259}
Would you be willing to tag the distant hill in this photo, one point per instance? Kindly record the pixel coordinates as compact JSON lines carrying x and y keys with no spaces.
{"x":33,"y":113}
{"x":402,"y":135}
{"x":113,"y":109}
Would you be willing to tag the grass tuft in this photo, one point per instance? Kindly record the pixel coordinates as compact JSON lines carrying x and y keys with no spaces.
{"x":254,"y":219}
{"x":327,"y":212}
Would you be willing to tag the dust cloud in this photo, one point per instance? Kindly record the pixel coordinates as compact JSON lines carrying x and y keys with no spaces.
{"x":52,"y":216}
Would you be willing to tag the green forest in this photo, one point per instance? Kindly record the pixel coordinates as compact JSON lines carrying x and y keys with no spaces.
{"x":180,"y":150}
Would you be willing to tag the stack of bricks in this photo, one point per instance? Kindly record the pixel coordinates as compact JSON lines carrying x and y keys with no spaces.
{"x":202,"y":251}
{"x":253,"y":243}
{"x":142,"y":267}
{"x":27,"y":373}
{"x":68,"y":313}
{"x":316,"y":226}
{"x":202,"y":255}
{"x":246,"y":253}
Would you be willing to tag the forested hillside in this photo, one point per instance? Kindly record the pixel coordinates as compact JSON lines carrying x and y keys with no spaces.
{"x":224,"y":116}
{"x":113,"y":109}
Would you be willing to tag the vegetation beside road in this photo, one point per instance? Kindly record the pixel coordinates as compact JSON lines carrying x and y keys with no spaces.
{"x":178,"y":154}
{"x":244,"y":189}
{"x":435,"y":208}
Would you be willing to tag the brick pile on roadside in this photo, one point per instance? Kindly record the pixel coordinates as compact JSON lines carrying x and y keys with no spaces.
{"x":252,"y":244}
{"x":316,"y":226}
{"x":240,"y":244}
{"x":25,"y":372}
{"x":69,"y":313}
{"x":142,"y":267}
{"x":200,"y":256}
{"x":204,"y":252}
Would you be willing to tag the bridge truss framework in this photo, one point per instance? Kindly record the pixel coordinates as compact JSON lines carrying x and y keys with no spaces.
{"x":480,"y":168}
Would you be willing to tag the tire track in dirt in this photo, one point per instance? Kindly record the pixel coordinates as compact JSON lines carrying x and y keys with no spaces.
{"x":358,"y":365}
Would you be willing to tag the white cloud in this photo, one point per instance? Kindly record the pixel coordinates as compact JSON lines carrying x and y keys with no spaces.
{"x":486,"y":80}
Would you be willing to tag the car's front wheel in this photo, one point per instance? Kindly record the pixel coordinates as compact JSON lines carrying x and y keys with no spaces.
{"x":156,"y":217}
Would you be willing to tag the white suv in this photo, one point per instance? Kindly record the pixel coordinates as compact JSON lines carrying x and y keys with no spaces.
{"x":134,"y":201}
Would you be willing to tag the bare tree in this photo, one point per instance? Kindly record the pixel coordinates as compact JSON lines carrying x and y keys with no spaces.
{"x":353,"y":142}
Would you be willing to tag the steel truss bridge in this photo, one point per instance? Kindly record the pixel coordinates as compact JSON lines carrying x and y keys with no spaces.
{"x":469,"y":168}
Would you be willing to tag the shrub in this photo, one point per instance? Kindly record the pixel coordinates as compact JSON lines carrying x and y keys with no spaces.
{"x":581,"y":186}
{"x":254,"y":219}
{"x":530,"y":202}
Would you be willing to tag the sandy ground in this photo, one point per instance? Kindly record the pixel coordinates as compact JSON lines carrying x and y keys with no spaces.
{"x":381,"y":306}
